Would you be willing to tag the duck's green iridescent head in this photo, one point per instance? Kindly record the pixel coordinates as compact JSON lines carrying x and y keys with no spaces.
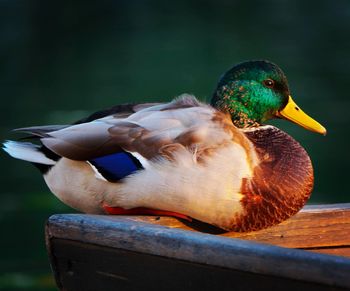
{"x":256,"y":91}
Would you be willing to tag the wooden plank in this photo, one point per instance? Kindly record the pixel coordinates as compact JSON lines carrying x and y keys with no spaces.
{"x":315,"y":226}
{"x":345,"y":252}
{"x":90,"y":267}
{"x":194,"y":247}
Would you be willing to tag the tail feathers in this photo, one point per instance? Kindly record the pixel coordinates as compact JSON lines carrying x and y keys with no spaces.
{"x":40,"y":131}
{"x":27,"y":151}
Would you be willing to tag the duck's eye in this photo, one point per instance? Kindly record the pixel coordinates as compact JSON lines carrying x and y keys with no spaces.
{"x":269,"y":83}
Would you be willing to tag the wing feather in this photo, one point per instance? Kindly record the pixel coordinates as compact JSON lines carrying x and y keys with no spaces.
{"x":40,"y":131}
{"x":150,"y":132}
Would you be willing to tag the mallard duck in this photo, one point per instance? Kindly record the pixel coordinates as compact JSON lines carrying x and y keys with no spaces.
{"x":215,"y":163}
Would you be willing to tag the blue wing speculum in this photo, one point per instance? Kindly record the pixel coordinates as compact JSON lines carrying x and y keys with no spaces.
{"x":117,"y":166}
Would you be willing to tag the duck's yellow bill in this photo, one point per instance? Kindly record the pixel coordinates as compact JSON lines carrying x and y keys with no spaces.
{"x":293,"y":113}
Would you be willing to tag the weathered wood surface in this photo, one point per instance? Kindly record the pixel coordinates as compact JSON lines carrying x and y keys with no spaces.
{"x":314,"y":227}
{"x":153,"y":237}
{"x":318,"y":228}
{"x":90,"y":267}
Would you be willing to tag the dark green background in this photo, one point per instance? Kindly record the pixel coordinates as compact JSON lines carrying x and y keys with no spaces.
{"x":61,"y":60}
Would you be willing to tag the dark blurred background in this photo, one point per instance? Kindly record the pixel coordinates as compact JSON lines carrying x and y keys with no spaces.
{"x":61,"y":60}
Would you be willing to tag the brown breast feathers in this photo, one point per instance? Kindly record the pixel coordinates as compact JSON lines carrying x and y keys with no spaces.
{"x":281,"y":183}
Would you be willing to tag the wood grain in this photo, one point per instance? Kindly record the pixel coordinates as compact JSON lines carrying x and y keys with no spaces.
{"x":143,"y":235}
{"x":92,"y":267}
{"x":316,"y":226}
{"x":344,"y":251}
